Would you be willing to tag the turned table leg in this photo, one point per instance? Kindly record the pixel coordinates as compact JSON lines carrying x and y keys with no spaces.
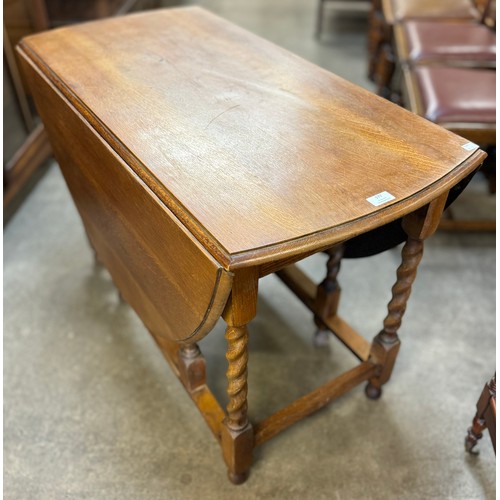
{"x":237,"y":432}
{"x":192,"y":369}
{"x":385,"y":346}
{"x":237,"y":435}
{"x":328,"y":295}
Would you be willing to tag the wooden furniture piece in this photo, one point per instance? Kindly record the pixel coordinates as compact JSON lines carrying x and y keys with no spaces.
{"x":63,"y":12}
{"x":339,"y":5}
{"x":462,"y":100}
{"x":26,"y":147}
{"x":439,"y":55}
{"x":385,"y":14}
{"x":202,"y":158}
{"x":448,"y":43}
{"x":441,"y":42}
{"x":485,"y":417}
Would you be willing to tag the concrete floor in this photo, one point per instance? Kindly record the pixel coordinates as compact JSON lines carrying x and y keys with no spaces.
{"x":91,"y":410}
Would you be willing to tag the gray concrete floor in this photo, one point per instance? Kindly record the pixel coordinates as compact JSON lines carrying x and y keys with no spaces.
{"x":91,"y":410}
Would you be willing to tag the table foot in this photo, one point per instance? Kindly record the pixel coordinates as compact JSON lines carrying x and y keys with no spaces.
{"x":237,"y":447}
{"x":372,"y":391}
{"x":321,"y":338}
{"x":237,"y":478}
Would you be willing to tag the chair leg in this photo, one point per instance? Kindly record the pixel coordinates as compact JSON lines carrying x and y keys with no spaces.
{"x":385,"y":69}
{"x":485,"y":417}
{"x":474,"y":434}
{"x":377,"y":36}
{"x":319,"y":19}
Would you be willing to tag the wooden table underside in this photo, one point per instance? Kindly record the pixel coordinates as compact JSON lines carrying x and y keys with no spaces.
{"x":186,"y":240}
{"x":232,"y":428}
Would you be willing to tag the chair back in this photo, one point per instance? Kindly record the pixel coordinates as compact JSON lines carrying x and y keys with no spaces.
{"x":488,"y":10}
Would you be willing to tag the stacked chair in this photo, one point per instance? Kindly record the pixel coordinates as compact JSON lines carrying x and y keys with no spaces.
{"x":341,"y":5}
{"x":386,"y":14}
{"x":438,"y":58}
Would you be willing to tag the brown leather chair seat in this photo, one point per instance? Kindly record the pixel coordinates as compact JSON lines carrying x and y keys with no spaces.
{"x":447,"y":41}
{"x":457,"y":95}
{"x":398,"y":10}
{"x":382,"y":57}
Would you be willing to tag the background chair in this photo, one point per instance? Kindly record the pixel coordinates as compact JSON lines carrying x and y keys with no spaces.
{"x":485,"y":417}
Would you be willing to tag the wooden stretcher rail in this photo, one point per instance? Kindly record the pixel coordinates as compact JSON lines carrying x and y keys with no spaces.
{"x":305,"y":289}
{"x":313,"y":401}
{"x":202,"y":397}
{"x":279,"y":421}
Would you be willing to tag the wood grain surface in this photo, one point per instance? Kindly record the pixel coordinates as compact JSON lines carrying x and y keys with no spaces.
{"x":253,"y":148}
{"x":176,"y":287}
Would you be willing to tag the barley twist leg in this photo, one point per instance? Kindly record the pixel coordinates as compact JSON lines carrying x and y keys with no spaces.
{"x":237,"y":432}
{"x":237,"y":389}
{"x":386,"y":344}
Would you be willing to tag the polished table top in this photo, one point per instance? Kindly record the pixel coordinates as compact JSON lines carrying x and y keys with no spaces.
{"x":259,"y":153}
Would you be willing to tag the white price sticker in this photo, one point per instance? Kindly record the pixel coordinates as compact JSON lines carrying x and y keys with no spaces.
{"x":470,"y":146}
{"x":380,"y":198}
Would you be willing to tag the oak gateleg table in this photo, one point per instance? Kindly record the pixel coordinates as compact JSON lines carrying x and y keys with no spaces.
{"x":202,"y":158}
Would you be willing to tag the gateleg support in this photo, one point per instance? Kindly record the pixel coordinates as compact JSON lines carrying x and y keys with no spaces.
{"x":237,"y":436}
{"x":328,"y":295}
{"x":192,"y":370}
{"x":418,"y":225}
